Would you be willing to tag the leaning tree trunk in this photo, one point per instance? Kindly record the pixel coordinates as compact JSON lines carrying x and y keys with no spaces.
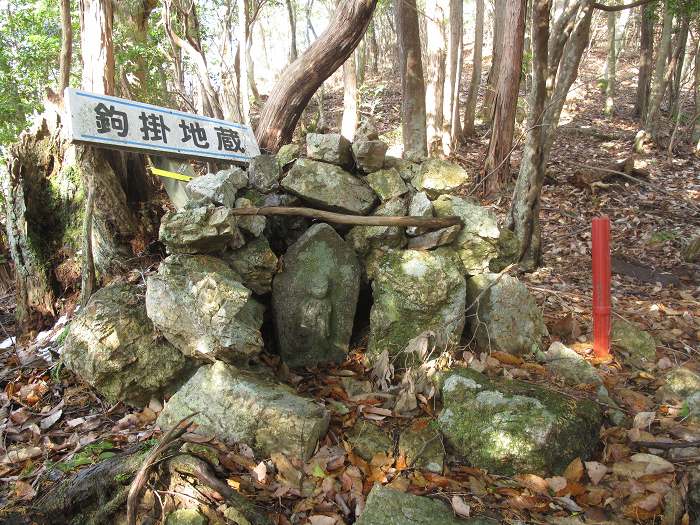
{"x":303,"y":77}
{"x":525,"y":208}
{"x":413,"y":120}
{"x":646,"y":51}
{"x":66,"y":47}
{"x":497,"y":165}
{"x":470,"y":110}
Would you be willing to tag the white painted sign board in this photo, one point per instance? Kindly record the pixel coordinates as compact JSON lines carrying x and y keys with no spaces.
{"x":125,"y":124}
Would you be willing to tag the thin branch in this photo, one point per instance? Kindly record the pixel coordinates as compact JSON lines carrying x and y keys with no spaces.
{"x":612,"y":8}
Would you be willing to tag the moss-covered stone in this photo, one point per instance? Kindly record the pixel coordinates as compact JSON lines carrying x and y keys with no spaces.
{"x":364,"y":239}
{"x":256,"y":263}
{"x":203,"y":229}
{"x":414,"y":292}
{"x":506,"y":317}
{"x":437,"y":177}
{"x":369,"y":154}
{"x":637,"y":346}
{"x":387,"y":184}
{"x":479,"y":241}
{"x":387,"y":506}
{"x":186,"y":517}
{"x":112,"y":345}
{"x":678,"y":384}
{"x":513,"y":427}
{"x":422,"y":449}
{"x":287,"y":154}
{"x":367,"y":439}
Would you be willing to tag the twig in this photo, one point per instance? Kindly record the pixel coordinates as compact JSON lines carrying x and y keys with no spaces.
{"x":666,"y":445}
{"x":140,"y":479}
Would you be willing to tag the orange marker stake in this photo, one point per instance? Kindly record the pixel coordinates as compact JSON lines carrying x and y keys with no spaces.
{"x":601,"y":286}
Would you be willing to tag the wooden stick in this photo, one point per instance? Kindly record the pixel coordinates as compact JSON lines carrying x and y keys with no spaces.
{"x":361,"y":220}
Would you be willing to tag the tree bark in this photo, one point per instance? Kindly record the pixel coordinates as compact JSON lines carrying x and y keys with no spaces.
{"x":679,"y":59}
{"x":435,"y":68}
{"x":413,"y":115}
{"x":96,"y":46}
{"x":525,"y":208}
{"x":244,"y":87}
{"x":497,"y":165}
{"x":293,"y":53}
{"x":303,"y":77}
{"x":66,"y":47}
{"x":610,"y":69}
{"x":662,"y":76}
{"x":496,"y":50}
{"x":450,"y":108}
{"x":696,"y":90}
{"x":349,"y":122}
{"x":470,"y":110}
{"x":646,"y":52}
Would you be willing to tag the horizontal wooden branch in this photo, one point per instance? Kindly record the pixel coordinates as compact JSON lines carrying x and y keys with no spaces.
{"x":360,"y":220}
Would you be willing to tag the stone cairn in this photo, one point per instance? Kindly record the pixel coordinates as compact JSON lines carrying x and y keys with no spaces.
{"x":195,"y":333}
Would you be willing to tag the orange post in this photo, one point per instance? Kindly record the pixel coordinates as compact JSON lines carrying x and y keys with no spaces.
{"x":600,"y":234}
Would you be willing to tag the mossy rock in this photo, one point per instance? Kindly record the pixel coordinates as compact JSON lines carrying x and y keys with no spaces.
{"x":387,"y":506}
{"x":437,"y":177}
{"x":423,"y":449}
{"x":367,"y":440}
{"x":186,"y":517}
{"x":637,"y":345}
{"x":510,"y":427}
{"x":678,"y":384}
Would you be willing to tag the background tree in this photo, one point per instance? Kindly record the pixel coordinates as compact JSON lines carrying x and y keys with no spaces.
{"x":435,"y":37}
{"x":470,"y":107}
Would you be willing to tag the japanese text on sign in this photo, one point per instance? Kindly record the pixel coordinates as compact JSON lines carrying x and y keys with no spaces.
{"x":132,"y":125}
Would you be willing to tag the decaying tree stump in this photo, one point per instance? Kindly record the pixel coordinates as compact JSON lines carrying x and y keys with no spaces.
{"x":45,"y":192}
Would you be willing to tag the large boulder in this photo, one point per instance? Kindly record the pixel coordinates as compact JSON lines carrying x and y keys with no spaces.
{"x":363,"y":239}
{"x":677,"y":385}
{"x":217,"y":188}
{"x":437,"y":177}
{"x":329,"y":147}
{"x":510,"y":427}
{"x":387,"y":506}
{"x":329,"y":187}
{"x":239,"y":406}
{"x":113,"y":346}
{"x":314,"y":298}
{"x":506,"y":317}
{"x":478,"y":242}
{"x":255,"y":263}
{"x":369,"y":154}
{"x":637,"y":346}
{"x":264,"y":173}
{"x":415,"y":292}
{"x":203,"y":229}
{"x":200,"y":305}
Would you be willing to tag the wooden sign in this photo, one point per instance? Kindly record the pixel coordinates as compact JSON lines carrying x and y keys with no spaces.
{"x":125,"y":124}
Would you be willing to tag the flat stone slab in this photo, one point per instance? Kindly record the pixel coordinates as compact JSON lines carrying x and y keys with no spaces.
{"x":329,"y":187}
{"x":239,"y":406}
{"x":437,"y":177}
{"x":203,"y":229}
{"x":329,"y":147}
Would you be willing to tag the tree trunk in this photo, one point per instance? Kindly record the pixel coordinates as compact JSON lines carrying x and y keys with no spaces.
{"x":293,"y":53}
{"x":696,"y":90}
{"x":662,"y":75}
{"x":470,"y":110}
{"x":450,"y":106}
{"x":349,"y":123}
{"x":303,"y":77}
{"x":251,"y":66}
{"x":610,"y":69}
{"x":435,"y":70}
{"x":496,"y":47}
{"x":66,"y":47}
{"x":413,"y":117}
{"x":96,"y":18}
{"x":646,"y":52}
{"x":497,"y":165}
{"x":244,"y":86}
{"x":374,"y":47}
{"x":525,"y":208}
{"x":133,"y":17}
{"x":679,"y":59}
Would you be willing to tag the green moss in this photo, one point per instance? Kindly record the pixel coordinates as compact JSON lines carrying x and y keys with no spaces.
{"x":511,"y":426}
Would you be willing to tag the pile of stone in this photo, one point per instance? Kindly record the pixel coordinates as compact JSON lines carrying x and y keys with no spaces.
{"x":193,"y":334}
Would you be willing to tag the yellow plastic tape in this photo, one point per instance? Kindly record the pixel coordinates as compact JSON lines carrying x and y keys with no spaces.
{"x":170,"y":174}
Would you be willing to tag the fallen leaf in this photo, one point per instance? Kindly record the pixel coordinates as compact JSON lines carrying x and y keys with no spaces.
{"x":596,"y":471}
{"x":49,"y":421}
{"x":320,"y":519}
{"x":24,"y":490}
{"x":535,"y":483}
{"x":507,"y":359}
{"x":556,"y":483}
{"x":460,"y":507}
{"x":260,"y":472}
{"x":574,"y":472}
{"x":643,"y":419}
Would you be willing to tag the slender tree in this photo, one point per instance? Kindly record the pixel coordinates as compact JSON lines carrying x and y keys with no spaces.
{"x":293,"y":53}
{"x":451,"y":127}
{"x":66,"y":47}
{"x":610,"y":66}
{"x":495,"y":69}
{"x":349,"y":120}
{"x":435,"y":21}
{"x":413,"y":117}
{"x":497,"y":165}
{"x":470,"y":109}
{"x":646,"y":51}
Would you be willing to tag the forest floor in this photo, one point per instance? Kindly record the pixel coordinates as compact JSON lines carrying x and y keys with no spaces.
{"x":61,"y":425}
